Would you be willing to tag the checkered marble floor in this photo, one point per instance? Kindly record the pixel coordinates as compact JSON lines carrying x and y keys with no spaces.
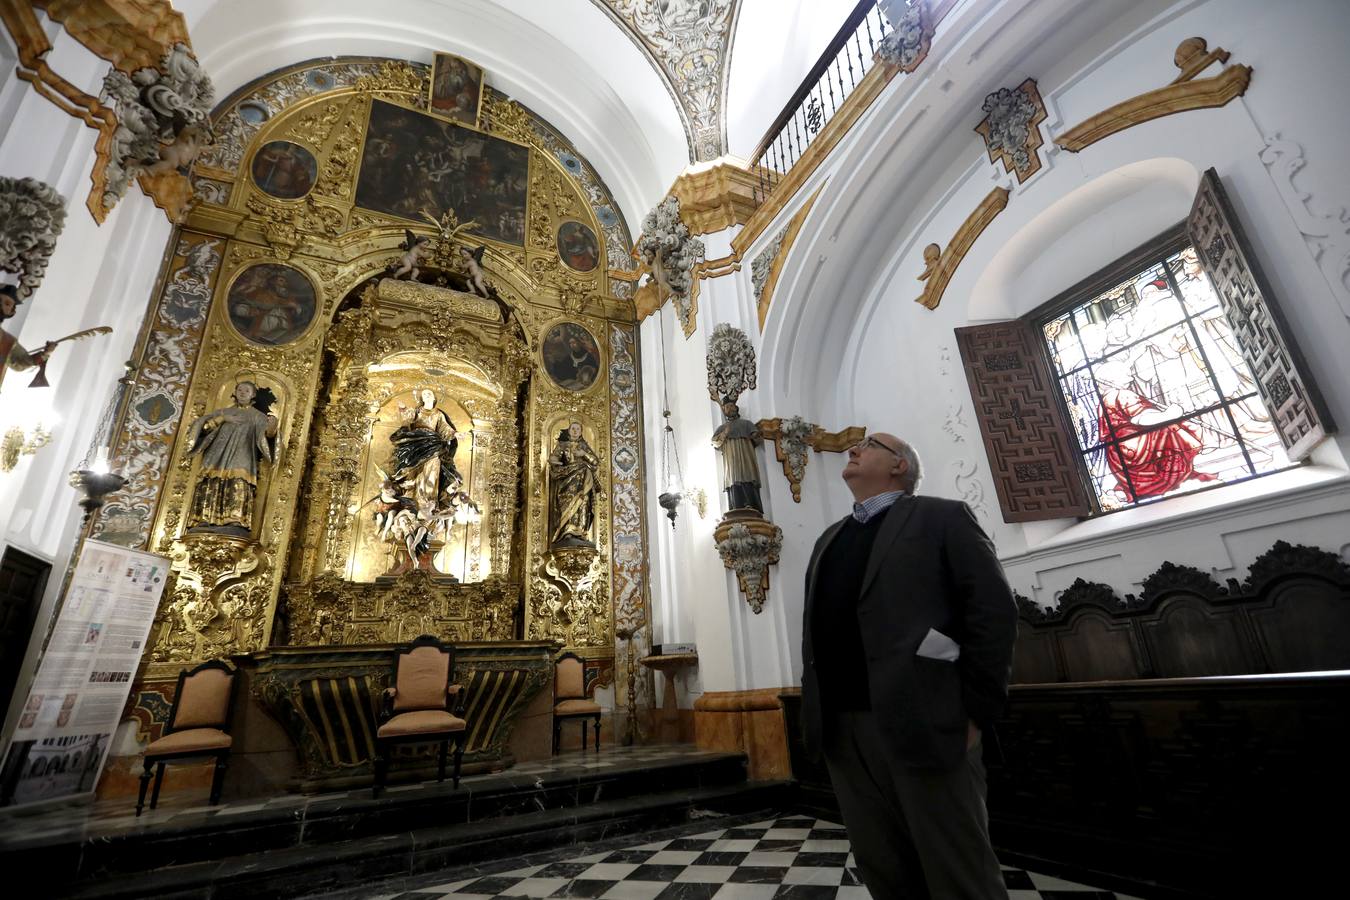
{"x":786,"y":857}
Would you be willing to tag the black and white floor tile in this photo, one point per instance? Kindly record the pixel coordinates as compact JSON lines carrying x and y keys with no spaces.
{"x":788,"y":857}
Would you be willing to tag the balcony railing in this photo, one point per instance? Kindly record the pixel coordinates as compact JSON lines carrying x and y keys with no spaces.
{"x":841,"y":67}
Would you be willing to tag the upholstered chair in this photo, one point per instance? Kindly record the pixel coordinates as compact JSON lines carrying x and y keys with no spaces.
{"x":199,"y":724}
{"x":570,"y":701}
{"x":417,"y":709}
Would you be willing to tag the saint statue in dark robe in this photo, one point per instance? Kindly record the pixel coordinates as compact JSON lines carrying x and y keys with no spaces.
{"x":231,"y":442}
{"x":572,"y":468}
{"x":737,"y":439}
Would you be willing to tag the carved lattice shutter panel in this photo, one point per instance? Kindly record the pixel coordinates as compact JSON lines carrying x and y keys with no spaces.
{"x":1266,"y":342}
{"x":1032,"y":452}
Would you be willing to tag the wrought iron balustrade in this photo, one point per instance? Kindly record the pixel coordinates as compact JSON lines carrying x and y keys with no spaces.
{"x":841,"y":67}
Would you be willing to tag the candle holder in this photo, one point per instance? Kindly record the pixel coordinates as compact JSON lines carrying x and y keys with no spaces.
{"x":670,"y":502}
{"x":96,"y":486}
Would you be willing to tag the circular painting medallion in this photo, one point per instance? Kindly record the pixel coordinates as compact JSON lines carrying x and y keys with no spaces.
{"x":286,"y":171}
{"x":271,"y":304}
{"x":577,"y":246}
{"x":571,"y":356}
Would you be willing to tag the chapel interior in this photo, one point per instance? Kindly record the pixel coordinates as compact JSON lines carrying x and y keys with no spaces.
{"x":416,"y":419}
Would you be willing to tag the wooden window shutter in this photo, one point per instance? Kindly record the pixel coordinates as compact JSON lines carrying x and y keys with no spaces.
{"x":1032,"y":452}
{"x":1268,"y":346}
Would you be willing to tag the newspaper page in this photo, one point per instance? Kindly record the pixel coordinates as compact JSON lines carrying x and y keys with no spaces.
{"x":84,"y":678}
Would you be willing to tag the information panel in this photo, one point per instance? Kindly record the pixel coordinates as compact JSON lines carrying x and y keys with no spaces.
{"x":76,"y":700}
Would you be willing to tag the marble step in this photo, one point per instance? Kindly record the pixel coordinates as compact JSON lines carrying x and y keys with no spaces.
{"x":112,"y":842}
{"x":341,"y":865}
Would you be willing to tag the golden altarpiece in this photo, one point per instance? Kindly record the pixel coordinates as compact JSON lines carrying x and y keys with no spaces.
{"x":363,"y":251}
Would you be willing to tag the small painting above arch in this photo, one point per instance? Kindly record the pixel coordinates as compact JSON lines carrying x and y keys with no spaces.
{"x":578,"y":247}
{"x":271,"y":304}
{"x":456,"y":88}
{"x":571,"y":356}
{"x":284,"y":170}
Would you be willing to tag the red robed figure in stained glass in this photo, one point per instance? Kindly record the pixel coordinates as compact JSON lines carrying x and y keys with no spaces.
{"x":1156,"y":461}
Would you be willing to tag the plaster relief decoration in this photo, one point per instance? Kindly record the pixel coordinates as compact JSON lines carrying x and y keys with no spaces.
{"x":768,"y":265}
{"x":907,"y":44}
{"x":32,"y":215}
{"x":1327,"y":236}
{"x":760,"y":266}
{"x":162,"y":124}
{"x":1183,"y":94}
{"x":748,"y":548}
{"x":793,"y":436}
{"x":1010,"y":128}
{"x":968,"y":486}
{"x":689,"y":43}
{"x":940,"y":265}
{"x":671,"y":254}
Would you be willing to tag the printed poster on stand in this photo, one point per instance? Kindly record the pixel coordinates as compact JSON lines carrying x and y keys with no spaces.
{"x":75,"y":703}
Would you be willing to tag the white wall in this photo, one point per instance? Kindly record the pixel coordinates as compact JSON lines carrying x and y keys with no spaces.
{"x":845,"y":343}
{"x":694,"y":597}
{"x":99,"y":275}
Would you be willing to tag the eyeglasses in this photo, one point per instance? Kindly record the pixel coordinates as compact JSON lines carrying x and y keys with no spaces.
{"x":870,"y":441}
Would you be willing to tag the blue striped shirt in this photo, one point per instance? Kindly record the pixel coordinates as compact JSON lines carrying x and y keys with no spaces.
{"x":875,"y":505}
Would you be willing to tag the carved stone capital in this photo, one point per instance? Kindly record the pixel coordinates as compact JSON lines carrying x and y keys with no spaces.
{"x":748,"y":545}
{"x":670,"y":254}
{"x":156,"y":106}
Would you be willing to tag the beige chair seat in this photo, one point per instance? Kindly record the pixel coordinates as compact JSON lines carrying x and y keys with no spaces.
{"x":191,"y":740}
{"x":576,"y":707}
{"x":422,"y":721}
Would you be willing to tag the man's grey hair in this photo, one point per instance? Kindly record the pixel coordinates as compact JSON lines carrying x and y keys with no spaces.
{"x":913,"y":466}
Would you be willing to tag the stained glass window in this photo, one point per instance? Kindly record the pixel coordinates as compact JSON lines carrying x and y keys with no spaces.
{"x":1159,"y":396}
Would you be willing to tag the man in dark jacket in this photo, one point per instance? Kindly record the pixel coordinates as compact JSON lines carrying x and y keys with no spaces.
{"x":907,"y":648}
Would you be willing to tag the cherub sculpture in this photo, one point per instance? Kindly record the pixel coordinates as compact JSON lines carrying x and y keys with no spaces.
{"x":415,"y":249}
{"x":396,"y":518}
{"x":473,"y":262}
{"x":181,"y":153}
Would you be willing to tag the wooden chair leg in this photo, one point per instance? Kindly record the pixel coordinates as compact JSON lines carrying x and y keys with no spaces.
{"x":583,"y":735}
{"x":459,"y":756}
{"x":440,"y":769}
{"x":557,"y":736}
{"x":218,"y":780}
{"x":159,"y":780}
{"x":381,"y":769}
{"x":145,"y":783}
{"x":597,"y":734}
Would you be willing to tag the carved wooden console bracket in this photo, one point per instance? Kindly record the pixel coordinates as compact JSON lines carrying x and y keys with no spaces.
{"x":1185,"y":93}
{"x":794,"y":435}
{"x":940,"y":265}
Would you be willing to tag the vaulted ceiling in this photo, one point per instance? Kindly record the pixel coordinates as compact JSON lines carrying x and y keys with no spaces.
{"x":689,"y":43}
